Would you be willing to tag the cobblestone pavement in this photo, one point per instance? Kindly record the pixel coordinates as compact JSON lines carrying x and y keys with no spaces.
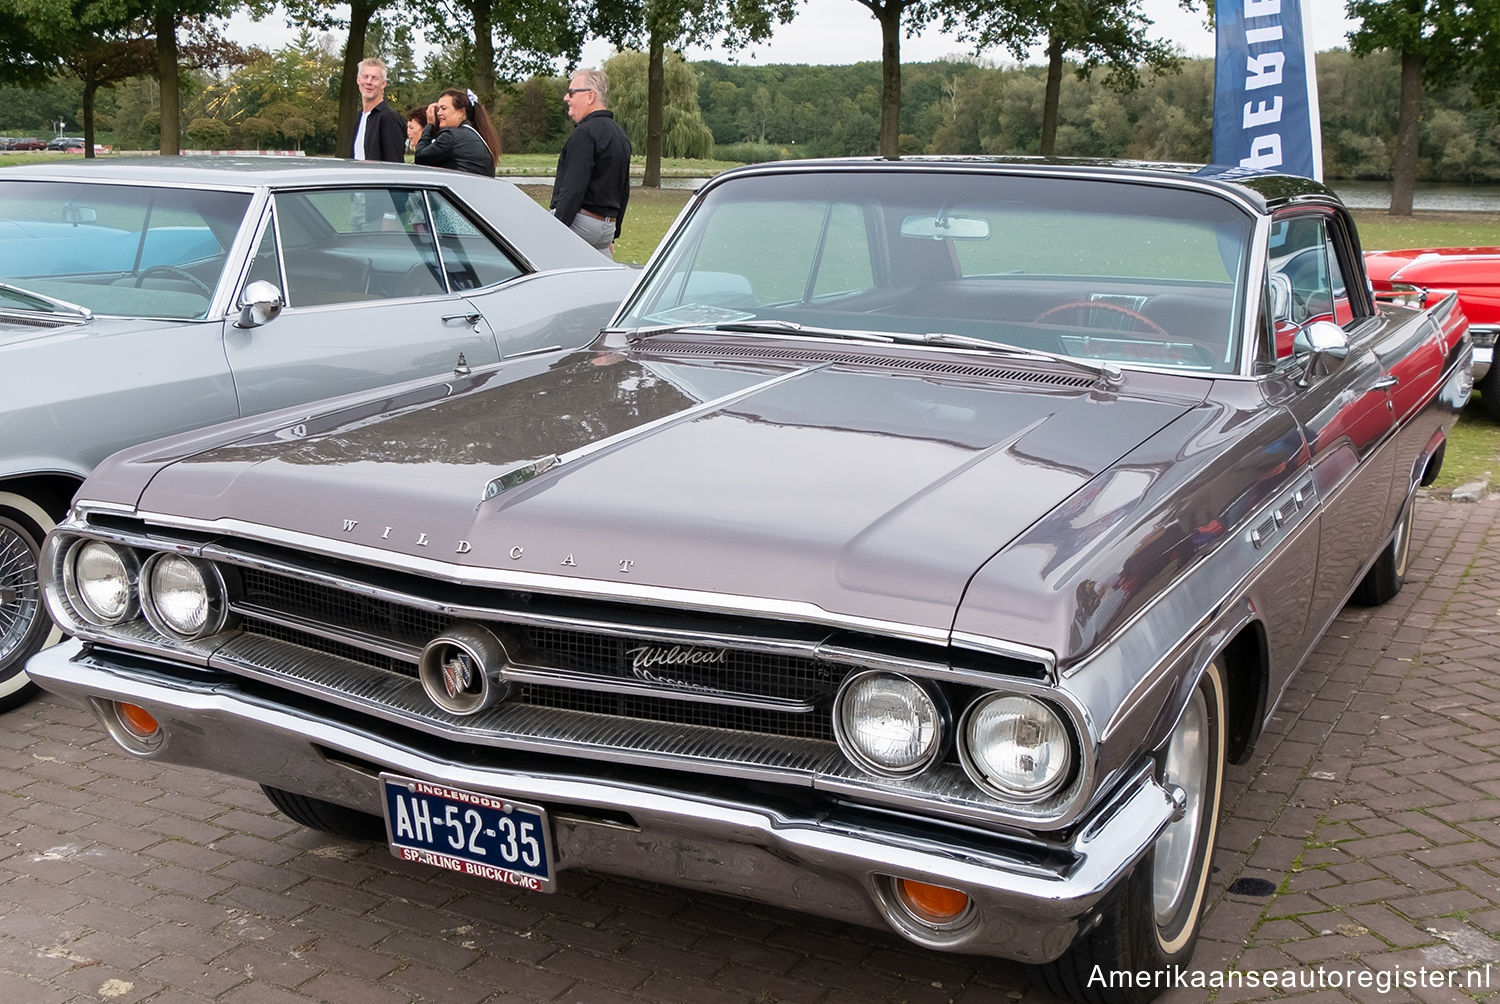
{"x":1363,"y":837}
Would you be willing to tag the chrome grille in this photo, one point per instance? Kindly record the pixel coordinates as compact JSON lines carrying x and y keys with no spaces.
{"x":727,"y":694}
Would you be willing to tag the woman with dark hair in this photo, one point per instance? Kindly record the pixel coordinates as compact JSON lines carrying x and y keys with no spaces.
{"x":459,"y":135}
{"x":416,"y":121}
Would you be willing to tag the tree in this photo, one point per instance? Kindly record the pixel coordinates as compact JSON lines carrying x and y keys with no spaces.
{"x":97,"y":41}
{"x":679,"y":23}
{"x":891,"y":14}
{"x":165,"y":16}
{"x":1436,"y":41}
{"x":1098,"y":33}
{"x":319,"y":14}
{"x":684,"y":133}
{"x":524,"y":36}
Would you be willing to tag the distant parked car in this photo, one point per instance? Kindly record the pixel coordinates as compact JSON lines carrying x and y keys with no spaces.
{"x":1473,"y":273}
{"x":65,"y":143}
{"x":27,"y":143}
{"x":148,"y":297}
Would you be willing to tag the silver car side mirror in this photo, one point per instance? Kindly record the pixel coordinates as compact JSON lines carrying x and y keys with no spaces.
{"x":1324,"y":345}
{"x":261,"y":302}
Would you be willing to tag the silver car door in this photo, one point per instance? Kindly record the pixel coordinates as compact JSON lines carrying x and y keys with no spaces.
{"x":366,"y":301}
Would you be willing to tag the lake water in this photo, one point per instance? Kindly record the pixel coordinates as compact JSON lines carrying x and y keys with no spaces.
{"x":1449,"y":198}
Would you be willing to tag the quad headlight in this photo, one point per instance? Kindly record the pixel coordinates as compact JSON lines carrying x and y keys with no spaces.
{"x":99,"y":580}
{"x":1016,"y":747}
{"x":182,"y":596}
{"x":888,"y":724}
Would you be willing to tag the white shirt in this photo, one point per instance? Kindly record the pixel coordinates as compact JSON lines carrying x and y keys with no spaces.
{"x":359,"y":136}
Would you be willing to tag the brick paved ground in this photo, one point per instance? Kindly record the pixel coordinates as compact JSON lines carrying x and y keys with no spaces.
{"x":1369,"y":808}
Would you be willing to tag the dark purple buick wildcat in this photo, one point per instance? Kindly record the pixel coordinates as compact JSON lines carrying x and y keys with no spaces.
{"x":914,"y":548}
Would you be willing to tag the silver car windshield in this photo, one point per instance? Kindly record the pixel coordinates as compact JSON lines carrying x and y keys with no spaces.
{"x":120,"y":250}
{"x":1113,"y":272}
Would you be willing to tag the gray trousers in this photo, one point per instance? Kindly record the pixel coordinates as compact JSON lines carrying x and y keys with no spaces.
{"x":599,"y":233}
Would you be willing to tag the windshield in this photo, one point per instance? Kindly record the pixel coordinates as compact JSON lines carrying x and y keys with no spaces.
{"x":116,"y":249}
{"x":1108,"y":271}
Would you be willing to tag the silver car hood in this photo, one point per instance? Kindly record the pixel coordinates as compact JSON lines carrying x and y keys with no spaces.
{"x":870,"y":494}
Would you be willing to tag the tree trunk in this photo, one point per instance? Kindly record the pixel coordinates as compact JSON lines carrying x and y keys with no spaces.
{"x":90,"y":90}
{"x":1054,"y":90}
{"x":889,"y":15}
{"x":349,"y":100}
{"x":484,"y":58}
{"x":656,"y":89}
{"x":1409,"y":119}
{"x":164,"y":25}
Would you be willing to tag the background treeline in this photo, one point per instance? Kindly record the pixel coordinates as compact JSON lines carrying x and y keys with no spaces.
{"x":288,"y":99}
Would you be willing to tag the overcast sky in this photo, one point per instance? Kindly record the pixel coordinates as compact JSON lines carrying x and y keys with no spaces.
{"x":843,"y":31}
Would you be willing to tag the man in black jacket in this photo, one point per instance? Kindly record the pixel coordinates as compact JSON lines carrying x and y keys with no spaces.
{"x":382,"y":131}
{"x":592,"y":185}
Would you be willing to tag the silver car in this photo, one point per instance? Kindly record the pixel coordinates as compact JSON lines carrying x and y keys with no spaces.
{"x":144,"y":297}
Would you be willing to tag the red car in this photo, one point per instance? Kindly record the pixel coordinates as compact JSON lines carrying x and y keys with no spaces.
{"x":1474,"y":273}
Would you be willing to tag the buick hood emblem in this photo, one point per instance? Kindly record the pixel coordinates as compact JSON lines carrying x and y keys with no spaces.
{"x":460,"y":670}
{"x":458,"y":674}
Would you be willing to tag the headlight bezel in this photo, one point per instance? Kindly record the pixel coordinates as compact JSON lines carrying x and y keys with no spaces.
{"x":942,"y":719}
{"x":986,"y":781}
{"x":74,"y":592}
{"x":216,"y":596}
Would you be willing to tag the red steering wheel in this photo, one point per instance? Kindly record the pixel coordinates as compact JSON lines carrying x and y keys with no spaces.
{"x":1134,"y":315}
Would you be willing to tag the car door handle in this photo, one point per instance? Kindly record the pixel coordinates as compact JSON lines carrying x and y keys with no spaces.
{"x":1389,"y":380}
{"x":466,"y":318}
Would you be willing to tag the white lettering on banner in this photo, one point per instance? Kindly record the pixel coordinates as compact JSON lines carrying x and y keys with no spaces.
{"x":1265,"y":151}
{"x":1262,"y":113}
{"x":1263,"y":70}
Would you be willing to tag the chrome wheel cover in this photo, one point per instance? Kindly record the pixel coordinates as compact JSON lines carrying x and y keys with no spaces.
{"x":1401,"y":547}
{"x":1186,"y":766}
{"x":20,"y":594}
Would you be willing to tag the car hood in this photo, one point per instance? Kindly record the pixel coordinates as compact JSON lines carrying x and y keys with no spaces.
{"x":864,"y":492}
{"x":1463,"y":266}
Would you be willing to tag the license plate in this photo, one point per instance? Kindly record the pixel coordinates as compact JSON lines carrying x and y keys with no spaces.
{"x":469,"y":832}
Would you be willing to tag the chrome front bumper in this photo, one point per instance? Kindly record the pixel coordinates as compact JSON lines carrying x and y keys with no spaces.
{"x":1484,"y":350}
{"x":1029,"y":901}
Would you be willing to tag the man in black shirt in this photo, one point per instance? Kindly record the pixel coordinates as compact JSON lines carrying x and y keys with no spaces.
{"x":381,"y":134}
{"x":592,"y":185}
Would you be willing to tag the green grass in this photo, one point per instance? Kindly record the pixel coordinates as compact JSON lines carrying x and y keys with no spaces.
{"x":1380,"y":231}
{"x":671,"y":167}
{"x":1473,"y":452}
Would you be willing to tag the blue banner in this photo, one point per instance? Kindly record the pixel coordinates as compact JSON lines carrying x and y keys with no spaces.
{"x":1266,"y":89}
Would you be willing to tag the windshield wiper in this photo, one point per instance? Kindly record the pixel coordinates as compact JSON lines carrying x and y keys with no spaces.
{"x":1111,"y":373}
{"x":769,"y":326}
{"x":82,"y":313}
{"x":772,"y":326}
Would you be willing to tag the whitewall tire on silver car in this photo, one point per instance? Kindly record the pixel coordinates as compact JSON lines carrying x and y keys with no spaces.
{"x":1151,"y":922}
{"x":24,"y":625}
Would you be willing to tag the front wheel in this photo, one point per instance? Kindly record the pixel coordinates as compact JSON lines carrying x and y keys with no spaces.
{"x":24,"y":625}
{"x":1151,"y":921}
{"x":1489,"y":391}
{"x":328,"y":817}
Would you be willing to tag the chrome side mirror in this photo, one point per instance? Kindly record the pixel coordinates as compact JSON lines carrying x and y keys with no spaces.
{"x":260,"y":303}
{"x":1324,"y":345}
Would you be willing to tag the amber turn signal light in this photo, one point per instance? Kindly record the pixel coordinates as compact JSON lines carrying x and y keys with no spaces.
{"x":138,"y":720}
{"x":935,"y":904}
